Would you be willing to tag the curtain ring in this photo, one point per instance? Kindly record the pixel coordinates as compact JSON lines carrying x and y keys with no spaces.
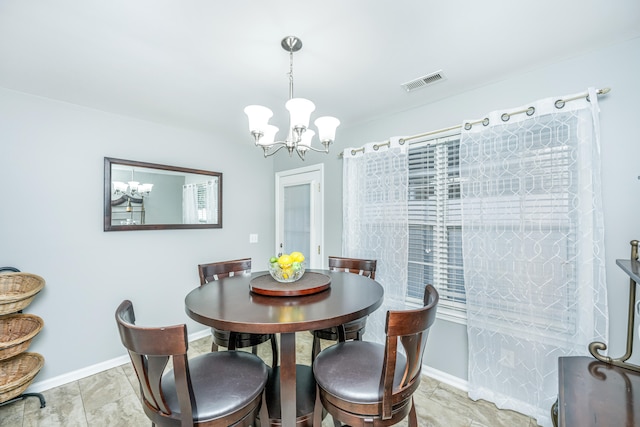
{"x":559,"y":104}
{"x":401,"y":141}
{"x":485,"y":121}
{"x":530,"y":111}
{"x":375,"y":147}
{"x":467,"y":126}
{"x":588,"y":99}
{"x":505,"y":117}
{"x":353,"y":152}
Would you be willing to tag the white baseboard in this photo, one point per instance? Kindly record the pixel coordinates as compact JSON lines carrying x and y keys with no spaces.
{"x":443,"y":377}
{"x":69,"y":377}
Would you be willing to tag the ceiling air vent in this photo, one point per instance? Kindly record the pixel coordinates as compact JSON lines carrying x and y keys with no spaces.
{"x":423,"y":81}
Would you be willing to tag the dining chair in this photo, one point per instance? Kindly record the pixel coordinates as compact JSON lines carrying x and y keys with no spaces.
{"x":232,"y":340}
{"x":214,"y":389}
{"x":353,"y":330}
{"x":363,"y":383}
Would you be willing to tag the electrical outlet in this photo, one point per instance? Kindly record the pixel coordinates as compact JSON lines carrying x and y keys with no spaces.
{"x":253,"y":238}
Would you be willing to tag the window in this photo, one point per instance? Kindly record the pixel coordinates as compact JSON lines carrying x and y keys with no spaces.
{"x":202,"y":202}
{"x":207,"y":207}
{"x":435,"y":229}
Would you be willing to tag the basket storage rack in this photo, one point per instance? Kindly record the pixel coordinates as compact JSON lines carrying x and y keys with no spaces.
{"x":18,"y":367}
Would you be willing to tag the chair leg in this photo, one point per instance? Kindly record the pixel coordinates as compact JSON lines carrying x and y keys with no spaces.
{"x":274,"y":351}
{"x":317,"y":409}
{"x":254,"y":349}
{"x":214,"y":346}
{"x":264,"y":413}
{"x":413,"y":419}
{"x":315,"y":348}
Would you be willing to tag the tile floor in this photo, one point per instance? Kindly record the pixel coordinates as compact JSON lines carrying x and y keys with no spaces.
{"x":110,"y":399}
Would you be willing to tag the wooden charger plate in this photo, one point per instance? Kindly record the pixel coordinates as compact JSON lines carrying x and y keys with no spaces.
{"x":309,"y":283}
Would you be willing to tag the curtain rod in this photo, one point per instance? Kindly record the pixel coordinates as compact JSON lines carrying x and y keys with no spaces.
{"x":505,"y":117}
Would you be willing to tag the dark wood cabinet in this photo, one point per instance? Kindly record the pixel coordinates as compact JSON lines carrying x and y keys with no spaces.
{"x":597,"y":394}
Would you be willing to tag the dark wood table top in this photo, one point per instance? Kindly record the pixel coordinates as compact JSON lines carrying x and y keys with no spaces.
{"x":594,"y":393}
{"x":228,"y":304}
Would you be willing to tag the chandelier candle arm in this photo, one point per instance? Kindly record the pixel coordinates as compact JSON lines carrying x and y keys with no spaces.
{"x":298,"y":135}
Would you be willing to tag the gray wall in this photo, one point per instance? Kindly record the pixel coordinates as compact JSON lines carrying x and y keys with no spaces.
{"x":617,"y":67}
{"x":51,"y":174}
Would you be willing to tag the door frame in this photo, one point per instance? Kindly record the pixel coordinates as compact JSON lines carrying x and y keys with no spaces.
{"x":317,"y":208}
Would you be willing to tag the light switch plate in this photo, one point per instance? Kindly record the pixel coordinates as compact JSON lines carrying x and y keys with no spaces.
{"x":253,"y":238}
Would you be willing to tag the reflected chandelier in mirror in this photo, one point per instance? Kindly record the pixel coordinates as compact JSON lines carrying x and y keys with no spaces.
{"x":149,"y":196}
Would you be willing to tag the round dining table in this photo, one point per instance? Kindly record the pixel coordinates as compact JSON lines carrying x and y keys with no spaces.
{"x":238,"y":304}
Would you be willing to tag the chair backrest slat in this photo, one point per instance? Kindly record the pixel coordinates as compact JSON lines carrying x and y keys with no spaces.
{"x":219,"y":270}
{"x":363,"y":267}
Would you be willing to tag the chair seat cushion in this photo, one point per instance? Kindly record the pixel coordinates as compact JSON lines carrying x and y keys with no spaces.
{"x":222,"y":382}
{"x":340,"y":371}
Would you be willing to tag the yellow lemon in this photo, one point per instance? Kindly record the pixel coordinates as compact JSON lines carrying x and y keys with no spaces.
{"x":285,"y":260}
{"x":297,"y":256}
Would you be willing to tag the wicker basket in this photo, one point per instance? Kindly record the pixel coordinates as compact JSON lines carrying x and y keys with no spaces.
{"x":17,"y":290}
{"x":16,"y":333}
{"x":17,"y":373}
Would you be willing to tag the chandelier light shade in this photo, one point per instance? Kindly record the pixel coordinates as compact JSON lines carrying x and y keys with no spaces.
{"x":299,"y":136}
{"x":132,"y":188}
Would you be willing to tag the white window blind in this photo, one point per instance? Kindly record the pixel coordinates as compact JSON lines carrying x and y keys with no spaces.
{"x":206,"y":204}
{"x":202,"y":202}
{"x":435,"y":240}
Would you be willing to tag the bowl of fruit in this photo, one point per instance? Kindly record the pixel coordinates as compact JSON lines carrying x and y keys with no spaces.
{"x":287,"y":268}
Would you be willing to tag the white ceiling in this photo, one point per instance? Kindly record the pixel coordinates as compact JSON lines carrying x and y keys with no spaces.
{"x":198,"y":63}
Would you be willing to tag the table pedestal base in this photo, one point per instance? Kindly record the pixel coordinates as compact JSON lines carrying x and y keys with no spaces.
{"x":305,"y":396}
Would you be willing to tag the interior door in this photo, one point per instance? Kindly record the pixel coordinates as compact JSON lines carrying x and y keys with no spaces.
{"x":300,"y":213}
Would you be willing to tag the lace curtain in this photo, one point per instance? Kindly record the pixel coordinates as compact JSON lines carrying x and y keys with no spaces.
{"x":190,"y":204}
{"x":211,"y":202}
{"x":199,"y":203}
{"x":375,"y":224}
{"x":533,"y":249}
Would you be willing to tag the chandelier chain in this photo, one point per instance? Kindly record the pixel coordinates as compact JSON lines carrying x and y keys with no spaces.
{"x":290,"y":74}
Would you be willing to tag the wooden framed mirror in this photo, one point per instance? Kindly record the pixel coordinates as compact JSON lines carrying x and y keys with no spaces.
{"x":149,"y":196}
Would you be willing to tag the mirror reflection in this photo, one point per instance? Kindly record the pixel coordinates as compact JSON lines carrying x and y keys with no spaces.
{"x":142,"y":195}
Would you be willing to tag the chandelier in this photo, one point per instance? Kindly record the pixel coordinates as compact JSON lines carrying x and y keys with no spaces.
{"x":299,"y":135}
{"x":131,"y":191}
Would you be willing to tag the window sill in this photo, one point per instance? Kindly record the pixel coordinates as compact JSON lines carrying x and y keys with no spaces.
{"x":453,"y":316}
{"x":444,"y":313}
